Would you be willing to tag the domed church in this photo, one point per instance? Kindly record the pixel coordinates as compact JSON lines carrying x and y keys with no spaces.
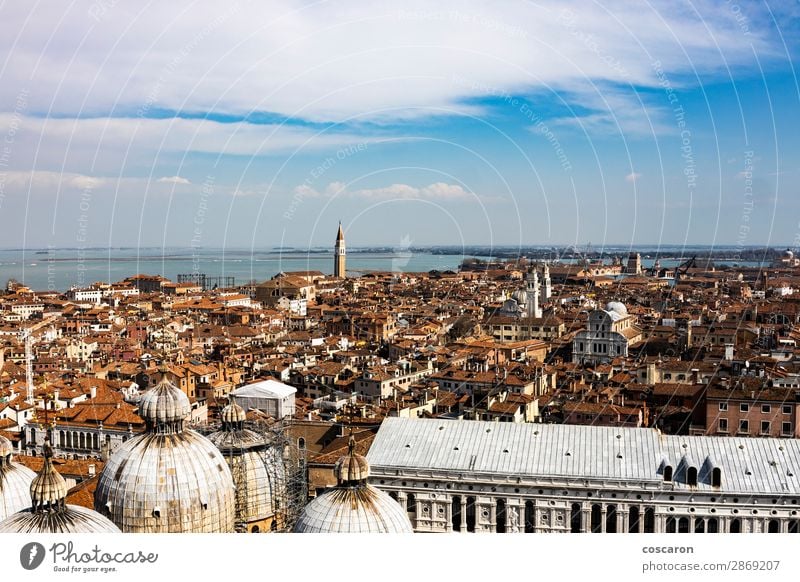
{"x":15,"y":482}
{"x":169,"y":479}
{"x":353,"y":506}
{"x":257,"y":470}
{"x":49,"y":513}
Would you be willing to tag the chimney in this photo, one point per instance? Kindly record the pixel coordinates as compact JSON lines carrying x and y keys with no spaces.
{"x":92,"y":391}
{"x":92,"y":470}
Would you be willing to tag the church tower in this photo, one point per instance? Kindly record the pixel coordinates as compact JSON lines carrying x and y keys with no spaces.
{"x":339,"y":255}
{"x":532,"y":308}
{"x":548,"y":286}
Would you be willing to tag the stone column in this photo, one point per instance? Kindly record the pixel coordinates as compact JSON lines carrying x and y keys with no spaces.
{"x":448,"y":513}
{"x":603,"y":513}
{"x":463,"y":516}
{"x":586,"y":519}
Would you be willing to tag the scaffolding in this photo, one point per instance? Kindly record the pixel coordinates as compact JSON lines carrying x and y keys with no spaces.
{"x":286,"y":471}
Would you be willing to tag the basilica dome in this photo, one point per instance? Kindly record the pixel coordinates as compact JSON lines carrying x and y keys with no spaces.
{"x":520,"y":296}
{"x":169,"y":479}
{"x":257,"y":470}
{"x":48,"y":511}
{"x":353,"y":506}
{"x":15,"y":482}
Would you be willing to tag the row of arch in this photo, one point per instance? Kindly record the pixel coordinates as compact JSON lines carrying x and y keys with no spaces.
{"x":601,"y":519}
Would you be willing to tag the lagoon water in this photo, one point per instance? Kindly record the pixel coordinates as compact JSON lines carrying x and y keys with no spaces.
{"x":59,"y":269}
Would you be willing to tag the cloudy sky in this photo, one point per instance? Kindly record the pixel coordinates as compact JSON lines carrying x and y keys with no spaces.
{"x":259,"y":124}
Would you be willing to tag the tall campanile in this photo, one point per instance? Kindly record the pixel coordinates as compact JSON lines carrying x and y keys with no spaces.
{"x":339,"y":255}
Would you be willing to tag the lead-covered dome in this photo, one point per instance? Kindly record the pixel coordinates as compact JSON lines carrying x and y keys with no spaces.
{"x":257,"y":470}
{"x":48,"y":511}
{"x":353,"y":506}
{"x":15,"y":482}
{"x":618,"y":308}
{"x":169,"y":479}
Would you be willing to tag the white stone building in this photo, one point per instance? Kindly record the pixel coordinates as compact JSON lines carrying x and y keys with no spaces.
{"x":475,"y":476}
{"x":608,"y":335}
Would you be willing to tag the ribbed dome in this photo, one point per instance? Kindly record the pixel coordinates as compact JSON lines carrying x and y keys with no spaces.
{"x":48,"y":513}
{"x":233,"y":414}
{"x":353,"y":506}
{"x":257,"y":469}
{"x":15,"y":482}
{"x":69,"y":519}
{"x":165,"y":407}
{"x":352,"y":467}
{"x":49,"y":488}
{"x":520,"y":296}
{"x":362,"y":509}
{"x":167,"y":483}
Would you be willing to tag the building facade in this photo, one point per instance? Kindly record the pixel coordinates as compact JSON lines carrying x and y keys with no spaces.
{"x":608,"y":335}
{"x":473,"y":476}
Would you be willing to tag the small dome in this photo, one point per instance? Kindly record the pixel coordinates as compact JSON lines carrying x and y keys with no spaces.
{"x":788,"y":254}
{"x":48,"y":488}
{"x":363,"y":509}
{"x":48,"y":512}
{"x":165,"y":407}
{"x":233,"y":414}
{"x":15,"y":482}
{"x":354,"y":506}
{"x":520,"y":296}
{"x":618,"y":308}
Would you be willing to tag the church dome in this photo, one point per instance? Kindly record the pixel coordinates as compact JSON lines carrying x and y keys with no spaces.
{"x":353,"y":506}
{"x":15,"y":482}
{"x":618,"y":308}
{"x":165,"y":407}
{"x":48,"y":511}
{"x":520,"y":296}
{"x":256,"y":467}
{"x":169,"y":479}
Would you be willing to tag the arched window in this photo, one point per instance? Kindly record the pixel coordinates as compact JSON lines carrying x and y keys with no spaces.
{"x":716,"y":477}
{"x":699,"y":525}
{"x":530,"y":517}
{"x":668,"y":473}
{"x":683,"y":525}
{"x":794,"y":526}
{"x":597,"y":519}
{"x":671,"y":526}
{"x":301,"y":443}
{"x":411,"y":504}
{"x":774,"y":526}
{"x":713,"y":525}
{"x":691,"y":477}
{"x":611,"y":519}
{"x":633,"y":520}
{"x":649,"y":520}
{"x":470,"y":514}
{"x":500,"y":515}
{"x":736,"y":526}
{"x":254,"y":529}
{"x":575,"y":518}
{"x":456,"y":513}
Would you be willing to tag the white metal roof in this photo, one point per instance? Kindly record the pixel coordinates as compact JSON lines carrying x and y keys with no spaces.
{"x":265,"y":389}
{"x":748,"y":465}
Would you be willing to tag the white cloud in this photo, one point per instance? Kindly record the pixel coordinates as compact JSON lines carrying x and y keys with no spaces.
{"x":380,"y":60}
{"x":437,"y":191}
{"x":633,"y":177}
{"x":174,"y":180}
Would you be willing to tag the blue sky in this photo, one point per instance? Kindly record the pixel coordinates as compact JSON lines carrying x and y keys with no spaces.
{"x":477,"y":122}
